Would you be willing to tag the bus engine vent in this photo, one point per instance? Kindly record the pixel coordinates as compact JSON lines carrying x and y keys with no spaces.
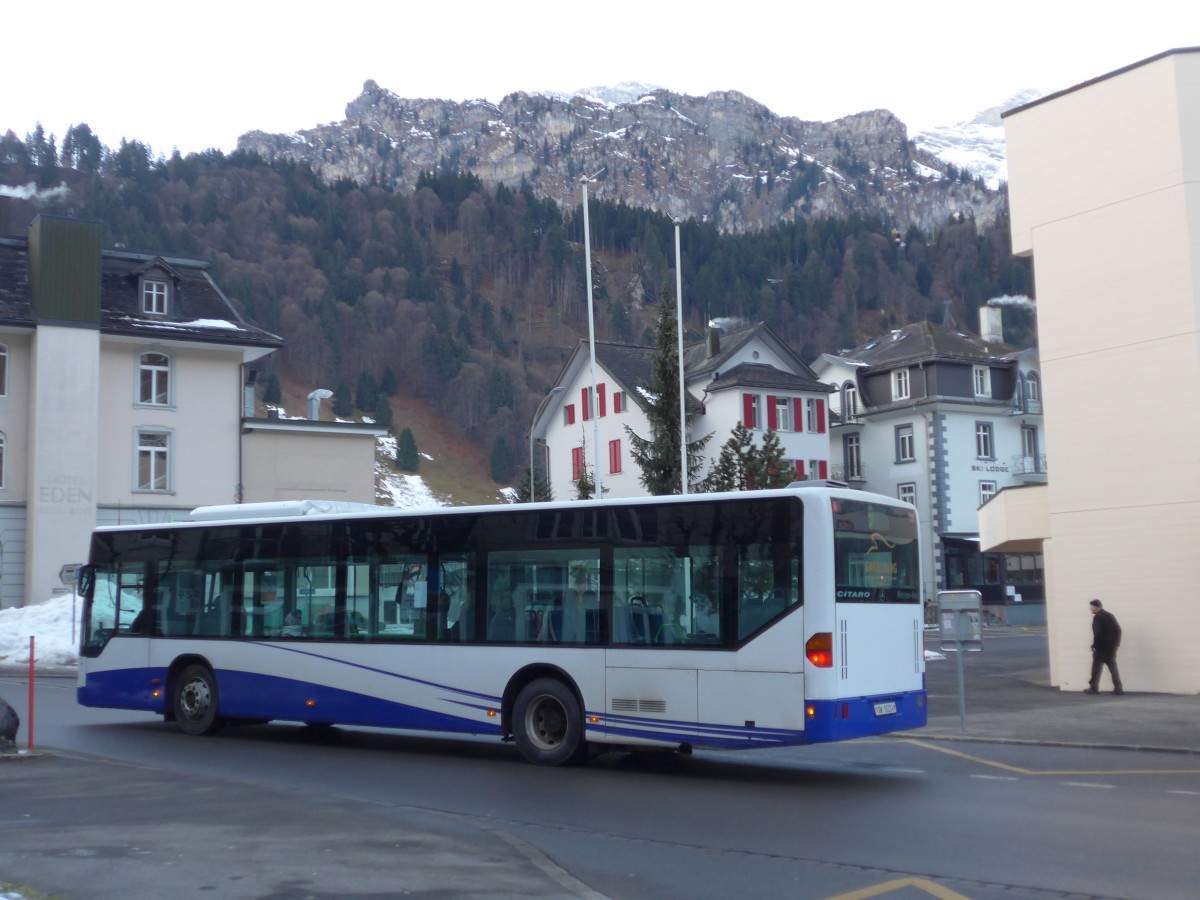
{"x":620,"y":704}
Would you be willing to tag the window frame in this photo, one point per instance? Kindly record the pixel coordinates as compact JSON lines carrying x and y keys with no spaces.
{"x":155,"y":302}
{"x":852,"y":455}
{"x":3,"y":458}
{"x":906,"y":434}
{"x":156,"y":372}
{"x":901,"y":385}
{"x":783,"y":414}
{"x":154,"y":453}
{"x":907,"y":491}
{"x":981,"y":378}
{"x":3,"y":370}
{"x":985,"y":441}
{"x":987,"y":490}
{"x":849,"y":401}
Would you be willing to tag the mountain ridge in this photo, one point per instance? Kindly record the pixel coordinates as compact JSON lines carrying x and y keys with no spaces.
{"x":723,"y":158}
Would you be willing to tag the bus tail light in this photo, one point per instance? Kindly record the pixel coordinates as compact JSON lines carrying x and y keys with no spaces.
{"x":819,"y":649}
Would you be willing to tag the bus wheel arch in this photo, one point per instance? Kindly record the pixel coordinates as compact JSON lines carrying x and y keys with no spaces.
{"x":543,"y":712}
{"x":194,"y":697}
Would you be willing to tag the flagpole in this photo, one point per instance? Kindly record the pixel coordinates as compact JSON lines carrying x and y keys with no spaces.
{"x":683,"y":466}
{"x":593,"y":400}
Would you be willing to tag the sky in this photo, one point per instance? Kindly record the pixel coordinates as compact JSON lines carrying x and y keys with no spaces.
{"x":192,"y":77}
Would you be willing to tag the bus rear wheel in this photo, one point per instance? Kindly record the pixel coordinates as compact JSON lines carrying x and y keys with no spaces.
{"x":548,"y":723}
{"x":196,"y":701}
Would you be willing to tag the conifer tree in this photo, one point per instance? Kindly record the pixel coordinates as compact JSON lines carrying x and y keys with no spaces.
{"x":501,"y":461}
{"x":407,"y":457}
{"x":273,"y":394}
{"x":343,"y":402}
{"x":658,"y":455}
{"x":745,"y":466}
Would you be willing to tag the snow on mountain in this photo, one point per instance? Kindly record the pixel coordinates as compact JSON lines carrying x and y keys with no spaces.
{"x":609,"y":94}
{"x":977,"y":145}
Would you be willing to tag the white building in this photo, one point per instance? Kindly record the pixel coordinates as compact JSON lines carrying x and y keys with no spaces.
{"x":122,"y":389}
{"x":945,"y":419}
{"x":748,"y":375}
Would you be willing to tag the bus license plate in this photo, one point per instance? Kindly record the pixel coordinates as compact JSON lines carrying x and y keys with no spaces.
{"x":887,"y":708}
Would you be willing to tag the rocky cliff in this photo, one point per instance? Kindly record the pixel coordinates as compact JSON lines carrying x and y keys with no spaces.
{"x":723,"y":158}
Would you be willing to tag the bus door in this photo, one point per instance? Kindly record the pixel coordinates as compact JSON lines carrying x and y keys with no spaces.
{"x":877,"y":638}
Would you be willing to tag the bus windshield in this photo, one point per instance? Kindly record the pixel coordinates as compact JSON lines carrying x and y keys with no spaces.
{"x":875,"y":553}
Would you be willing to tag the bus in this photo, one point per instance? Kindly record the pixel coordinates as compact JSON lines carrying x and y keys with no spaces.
{"x":711,"y":621}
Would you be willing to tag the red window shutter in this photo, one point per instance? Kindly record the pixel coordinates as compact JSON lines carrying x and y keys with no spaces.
{"x":748,"y":410}
{"x":614,"y":456}
{"x":823,"y":469}
{"x":800,"y":473}
{"x":600,"y":399}
{"x":618,"y":401}
{"x":576,"y":462}
{"x":584,"y":404}
{"x":821,"y":419}
{"x":570,"y":413}
{"x":772,"y":414}
{"x":798,"y":414}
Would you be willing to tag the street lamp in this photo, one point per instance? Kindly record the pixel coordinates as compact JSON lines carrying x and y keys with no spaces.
{"x":554,"y":392}
{"x":593,"y":405}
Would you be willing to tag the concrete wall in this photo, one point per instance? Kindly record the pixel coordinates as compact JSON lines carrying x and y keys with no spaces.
{"x":1105,"y":194}
{"x":296,"y":465}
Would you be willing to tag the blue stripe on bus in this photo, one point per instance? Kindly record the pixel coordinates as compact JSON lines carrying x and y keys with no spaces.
{"x":250,"y":696}
{"x":840,"y":720}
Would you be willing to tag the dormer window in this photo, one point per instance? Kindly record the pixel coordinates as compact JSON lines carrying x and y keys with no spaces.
{"x":900,"y":387}
{"x":983,"y":381}
{"x":154,"y":296}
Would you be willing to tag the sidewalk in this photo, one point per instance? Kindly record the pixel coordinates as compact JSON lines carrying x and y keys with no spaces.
{"x":1019,"y":705}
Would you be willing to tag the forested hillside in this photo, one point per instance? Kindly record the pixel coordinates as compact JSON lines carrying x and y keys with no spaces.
{"x":472,"y":297}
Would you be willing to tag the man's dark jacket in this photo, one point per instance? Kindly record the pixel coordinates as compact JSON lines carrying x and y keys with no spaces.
{"x":1106,"y":633}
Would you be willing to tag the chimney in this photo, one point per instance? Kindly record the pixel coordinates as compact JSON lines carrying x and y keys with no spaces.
{"x":314,"y":402}
{"x":991,"y":324}
{"x":712,"y":342}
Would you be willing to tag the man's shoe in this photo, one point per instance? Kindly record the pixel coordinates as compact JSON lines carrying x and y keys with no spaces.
{"x":1118,"y":690}
{"x":1091,"y":691}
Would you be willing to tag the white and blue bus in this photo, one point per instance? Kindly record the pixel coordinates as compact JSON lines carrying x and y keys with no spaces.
{"x":726,"y":621}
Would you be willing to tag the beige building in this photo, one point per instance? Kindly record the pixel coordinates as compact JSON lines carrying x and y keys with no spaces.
{"x":1105,"y":195}
{"x":126,"y":397}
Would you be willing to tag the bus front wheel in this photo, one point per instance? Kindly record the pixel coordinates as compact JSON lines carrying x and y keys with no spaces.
{"x":548,"y":723}
{"x":196,"y":701}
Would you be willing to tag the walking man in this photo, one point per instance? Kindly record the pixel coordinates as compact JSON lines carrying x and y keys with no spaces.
{"x":1106,"y":638}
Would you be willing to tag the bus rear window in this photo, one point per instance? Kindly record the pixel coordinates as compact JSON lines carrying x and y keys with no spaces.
{"x":875,"y":553}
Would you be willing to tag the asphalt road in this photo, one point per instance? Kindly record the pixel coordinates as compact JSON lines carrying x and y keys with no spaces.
{"x":127,"y":806}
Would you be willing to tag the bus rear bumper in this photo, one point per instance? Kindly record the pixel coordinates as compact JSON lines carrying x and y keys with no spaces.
{"x":854,"y":717}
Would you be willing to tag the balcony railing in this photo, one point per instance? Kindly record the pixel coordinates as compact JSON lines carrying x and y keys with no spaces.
{"x":849,"y":474}
{"x":1029,"y":465}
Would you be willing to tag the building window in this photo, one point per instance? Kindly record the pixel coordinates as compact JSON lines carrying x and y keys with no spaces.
{"x":614,"y":456}
{"x":3,"y":371}
{"x":783,"y":414}
{"x":154,"y":297}
{"x":569,"y":414}
{"x":907,"y":492}
{"x":750,"y":412}
{"x":984,"y":448}
{"x":906,"y":447}
{"x":3,"y":448}
{"x":900,"y":388}
{"x":576,"y":463}
{"x":983,"y":381}
{"x":154,"y":379}
{"x":849,"y":401}
{"x":852,"y":453}
{"x":153,"y":460}
{"x":1033,"y":389}
{"x":585,"y":403}
{"x":987,"y":490}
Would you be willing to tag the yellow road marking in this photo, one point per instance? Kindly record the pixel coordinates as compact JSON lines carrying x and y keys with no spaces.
{"x":921,"y":884}
{"x":1058,"y":772}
